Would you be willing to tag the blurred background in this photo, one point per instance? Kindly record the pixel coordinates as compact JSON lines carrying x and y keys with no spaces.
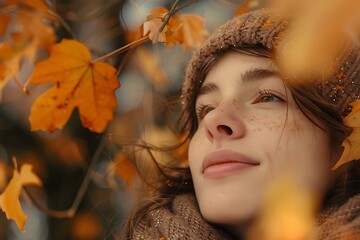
{"x":150,"y":82}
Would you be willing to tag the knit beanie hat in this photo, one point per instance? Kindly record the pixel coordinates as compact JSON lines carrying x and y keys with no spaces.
{"x":268,"y":29}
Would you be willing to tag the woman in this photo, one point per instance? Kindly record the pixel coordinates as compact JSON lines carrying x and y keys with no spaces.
{"x":248,"y":128}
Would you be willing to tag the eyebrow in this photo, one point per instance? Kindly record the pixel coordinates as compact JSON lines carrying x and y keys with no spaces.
{"x":250,"y":75}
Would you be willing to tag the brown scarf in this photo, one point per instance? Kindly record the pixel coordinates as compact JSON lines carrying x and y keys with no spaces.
{"x":183,"y":221}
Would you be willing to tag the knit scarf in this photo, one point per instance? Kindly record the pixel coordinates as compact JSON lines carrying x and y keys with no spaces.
{"x":184,"y":221}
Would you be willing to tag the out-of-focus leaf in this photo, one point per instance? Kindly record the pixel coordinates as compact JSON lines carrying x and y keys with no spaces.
{"x":78,"y":82}
{"x":9,"y":199}
{"x":153,"y":23}
{"x":86,"y":226}
{"x":288,"y":213}
{"x":124,"y":168}
{"x":23,"y":43}
{"x":4,"y":21}
{"x":186,"y":29}
{"x":147,"y":62}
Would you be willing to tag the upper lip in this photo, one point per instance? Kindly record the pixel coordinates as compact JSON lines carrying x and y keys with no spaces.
{"x":221,"y":156}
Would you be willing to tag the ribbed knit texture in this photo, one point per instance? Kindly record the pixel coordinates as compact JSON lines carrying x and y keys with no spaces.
{"x":181,"y":221}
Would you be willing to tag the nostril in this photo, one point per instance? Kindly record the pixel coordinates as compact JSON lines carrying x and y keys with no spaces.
{"x":224,"y":129}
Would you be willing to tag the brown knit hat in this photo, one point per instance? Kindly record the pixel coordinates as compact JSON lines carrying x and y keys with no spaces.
{"x":268,"y":29}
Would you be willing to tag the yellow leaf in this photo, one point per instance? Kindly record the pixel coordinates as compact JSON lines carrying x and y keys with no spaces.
{"x":4,"y":21}
{"x":244,"y":8}
{"x":78,"y":82}
{"x":288,"y":213}
{"x":124,"y":168}
{"x":9,"y":199}
{"x":153,"y":23}
{"x":36,"y":4}
{"x":352,"y":143}
{"x":147,"y":62}
{"x":186,"y":29}
{"x":24,"y":43}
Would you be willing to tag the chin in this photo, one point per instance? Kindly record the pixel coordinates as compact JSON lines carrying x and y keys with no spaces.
{"x":232,"y":216}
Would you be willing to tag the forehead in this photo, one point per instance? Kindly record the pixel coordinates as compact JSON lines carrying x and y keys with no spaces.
{"x":234,"y":63}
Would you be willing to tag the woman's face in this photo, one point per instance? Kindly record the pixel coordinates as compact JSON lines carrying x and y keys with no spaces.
{"x":251,"y":133}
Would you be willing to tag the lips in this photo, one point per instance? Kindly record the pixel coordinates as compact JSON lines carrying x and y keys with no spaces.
{"x":224,"y":162}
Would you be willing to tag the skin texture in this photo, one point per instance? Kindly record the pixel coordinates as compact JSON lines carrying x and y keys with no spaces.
{"x":253,"y":115}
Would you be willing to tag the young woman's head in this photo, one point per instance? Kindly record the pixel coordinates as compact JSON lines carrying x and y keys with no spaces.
{"x":248,"y":127}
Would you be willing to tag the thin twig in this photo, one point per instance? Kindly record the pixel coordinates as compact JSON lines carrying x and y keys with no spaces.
{"x":124,"y":60}
{"x":123,"y":49}
{"x":69,"y":213}
{"x":168,"y":16}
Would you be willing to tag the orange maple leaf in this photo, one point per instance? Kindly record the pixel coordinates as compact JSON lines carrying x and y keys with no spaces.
{"x":4,"y":21}
{"x":36,"y":4}
{"x":186,"y":29}
{"x":78,"y":82}
{"x":23,"y":43}
{"x":153,"y":23}
{"x":124,"y":168}
{"x":9,"y":199}
{"x":352,"y":143}
{"x":243,"y":8}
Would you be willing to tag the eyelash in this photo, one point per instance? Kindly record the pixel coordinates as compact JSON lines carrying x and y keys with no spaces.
{"x":267,"y":93}
{"x":204,"y":109}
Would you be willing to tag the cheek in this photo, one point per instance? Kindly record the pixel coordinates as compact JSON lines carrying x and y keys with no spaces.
{"x":195,"y":147}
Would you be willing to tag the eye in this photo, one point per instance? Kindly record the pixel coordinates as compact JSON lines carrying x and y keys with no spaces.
{"x":266,"y":96}
{"x":202,"y":110}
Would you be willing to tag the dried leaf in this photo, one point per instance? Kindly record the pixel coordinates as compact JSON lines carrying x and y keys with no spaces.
{"x":288,"y":213}
{"x":24,"y":43}
{"x":186,"y":29}
{"x":153,"y":23}
{"x":36,"y":4}
{"x":352,"y":143}
{"x":147,"y":62}
{"x":78,"y":82}
{"x":183,"y":29}
{"x":4,"y":21}
{"x":316,"y":36}
{"x":244,"y":8}
{"x":9,"y":199}
{"x":86,"y":226}
{"x":124,"y":168}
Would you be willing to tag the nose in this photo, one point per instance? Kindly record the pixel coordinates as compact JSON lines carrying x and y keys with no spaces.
{"x":223,"y":123}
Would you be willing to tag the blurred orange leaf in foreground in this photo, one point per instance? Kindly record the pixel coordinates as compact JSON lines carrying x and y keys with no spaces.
{"x":186,"y":29}
{"x":78,"y":82}
{"x":22,"y":42}
{"x":9,"y":199}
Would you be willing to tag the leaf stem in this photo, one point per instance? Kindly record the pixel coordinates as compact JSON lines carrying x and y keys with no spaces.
{"x":69,"y":213}
{"x":123,"y":48}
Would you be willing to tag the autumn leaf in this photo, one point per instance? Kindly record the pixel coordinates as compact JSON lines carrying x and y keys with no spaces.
{"x":186,"y":29}
{"x":77,"y":83}
{"x":244,"y":8}
{"x":4,"y":21}
{"x":352,"y":143}
{"x":124,"y":168}
{"x":36,"y":4}
{"x":9,"y":199}
{"x":148,"y":64}
{"x":316,"y":37}
{"x":153,"y":22}
{"x":23,"y":43}
{"x":287,"y":213}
